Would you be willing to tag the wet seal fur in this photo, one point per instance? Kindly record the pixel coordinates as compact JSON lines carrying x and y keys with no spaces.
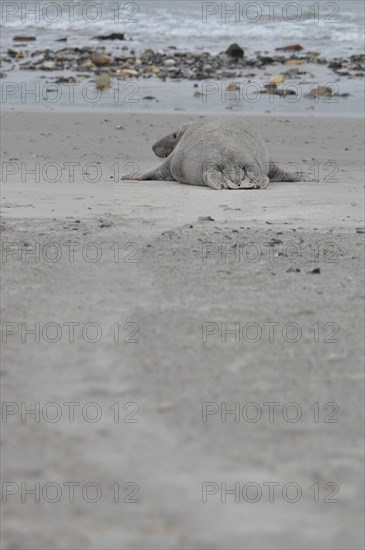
{"x":218,"y":152}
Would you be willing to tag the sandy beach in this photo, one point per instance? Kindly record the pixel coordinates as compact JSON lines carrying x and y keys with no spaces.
{"x":193,"y":357}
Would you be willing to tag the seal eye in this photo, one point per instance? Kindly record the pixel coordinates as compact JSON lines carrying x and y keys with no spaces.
{"x":174,"y":136}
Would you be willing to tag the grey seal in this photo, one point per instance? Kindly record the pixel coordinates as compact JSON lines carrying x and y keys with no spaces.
{"x":218,"y":152}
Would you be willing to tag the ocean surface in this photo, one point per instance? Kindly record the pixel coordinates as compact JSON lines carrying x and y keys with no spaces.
{"x":332,"y":28}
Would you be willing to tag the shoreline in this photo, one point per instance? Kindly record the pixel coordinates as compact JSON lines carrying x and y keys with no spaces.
{"x":180,"y":112}
{"x":172,"y":97}
{"x":293,"y":80}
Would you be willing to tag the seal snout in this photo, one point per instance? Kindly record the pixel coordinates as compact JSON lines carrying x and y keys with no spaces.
{"x":159,"y":150}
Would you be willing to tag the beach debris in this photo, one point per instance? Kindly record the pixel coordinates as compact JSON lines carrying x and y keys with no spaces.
{"x":290,"y":48}
{"x":360,"y":230}
{"x":315,"y":271}
{"x":21,"y":38}
{"x":112,"y":36}
{"x":293,"y":270}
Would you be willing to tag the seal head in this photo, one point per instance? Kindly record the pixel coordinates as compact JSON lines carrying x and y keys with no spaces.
{"x":164,"y":147}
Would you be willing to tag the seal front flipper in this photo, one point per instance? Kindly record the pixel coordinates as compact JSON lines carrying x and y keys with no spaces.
{"x":162,"y":173}
{"x":277,"y":174}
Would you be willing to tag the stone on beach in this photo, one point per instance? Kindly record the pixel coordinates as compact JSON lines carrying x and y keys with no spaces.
{"x":103,"y":82}
{"x":277,"y":79}
{"x":48,"y":65}
{"x":178,"y":65}
{"x":320,"y":91}
{"x":235,"y":51}
{"x":129,"y":72}
{"x":199,"y":94}
{"x":233,"y":87}
{"x":88,"y":64}
{"x":102,"y":60}
{"x":169,"y":62}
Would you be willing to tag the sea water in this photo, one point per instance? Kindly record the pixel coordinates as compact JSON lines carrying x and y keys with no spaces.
{"x":334,"y":29}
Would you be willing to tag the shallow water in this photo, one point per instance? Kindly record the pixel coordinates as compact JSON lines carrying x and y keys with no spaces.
{"x":333,"y":28}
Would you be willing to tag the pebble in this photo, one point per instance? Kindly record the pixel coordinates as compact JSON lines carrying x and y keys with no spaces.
{"x":48,"y":65}
{"x":177,"y":65}
{"x":233,"y":87}
{"x":103,"y":82}
{"x":277,"y":79}
{"x":235,"y":51}
{"x":169,"y":62}
{"x":102,"y":60}
{"x":320,"y":91}
{"x":129,"y":72}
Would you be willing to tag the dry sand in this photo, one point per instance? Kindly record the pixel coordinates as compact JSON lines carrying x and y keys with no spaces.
{"x":153,"y":277}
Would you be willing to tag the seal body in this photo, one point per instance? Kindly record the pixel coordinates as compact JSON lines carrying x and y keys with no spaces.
{"x":219,"y":152}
